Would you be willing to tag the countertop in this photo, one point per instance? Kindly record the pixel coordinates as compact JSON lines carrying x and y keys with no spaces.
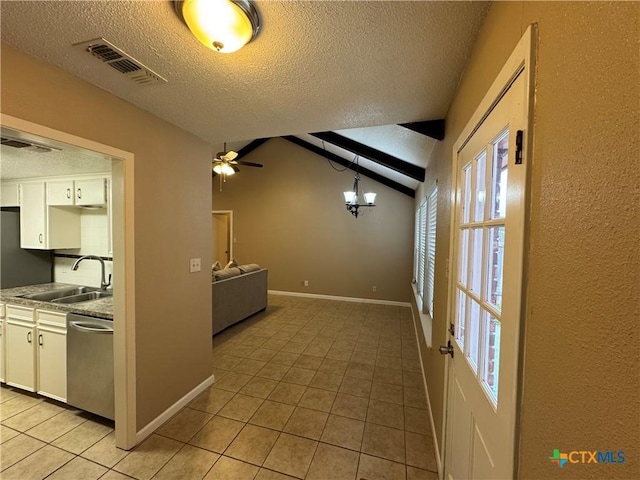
{"x":102,"y":307}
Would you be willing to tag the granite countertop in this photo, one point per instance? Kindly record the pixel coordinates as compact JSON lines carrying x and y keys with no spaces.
{"x":102,"y":307}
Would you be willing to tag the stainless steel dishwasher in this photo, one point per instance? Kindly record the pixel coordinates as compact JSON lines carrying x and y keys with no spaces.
{"x":90,"y":364}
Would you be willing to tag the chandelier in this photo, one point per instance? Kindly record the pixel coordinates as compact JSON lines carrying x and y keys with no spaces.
{"x":351,"y":198}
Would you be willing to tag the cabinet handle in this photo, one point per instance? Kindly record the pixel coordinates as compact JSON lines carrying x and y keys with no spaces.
{"x":79,"y":193}
{"x":68,"y":193}
{"x":40,"y":340}
{"x":28,"y":337}
{"x":40,"y":238}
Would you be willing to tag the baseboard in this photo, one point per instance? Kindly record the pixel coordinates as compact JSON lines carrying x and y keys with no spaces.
{"x":172,"y":410}
{"x":434,"y":436}
{"x":342,"y":299}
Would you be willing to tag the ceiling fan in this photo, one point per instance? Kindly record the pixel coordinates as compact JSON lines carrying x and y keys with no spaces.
{"x":225,"y":163}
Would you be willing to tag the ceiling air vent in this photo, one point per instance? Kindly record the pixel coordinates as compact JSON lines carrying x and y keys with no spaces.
{"x":120,"y":61}
{"x":31,"y":146}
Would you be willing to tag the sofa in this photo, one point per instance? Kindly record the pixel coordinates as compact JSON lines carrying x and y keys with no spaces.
{"x":238,"y":292}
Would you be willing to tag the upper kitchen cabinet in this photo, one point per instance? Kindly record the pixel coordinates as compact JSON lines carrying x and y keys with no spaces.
{"x":9,"y":194}
{"x":83,"y":193}
{"x":46,"y":227}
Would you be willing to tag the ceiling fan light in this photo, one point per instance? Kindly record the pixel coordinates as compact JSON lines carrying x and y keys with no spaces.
{"x":217,"y":168}
{"x":224,"y":26}
{"x":227,"y":169}
{"x":370,"y":198}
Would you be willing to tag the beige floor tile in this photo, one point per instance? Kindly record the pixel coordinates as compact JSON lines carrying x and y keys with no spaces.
{"x":364,"y":357}
{"x":18,"y":403}
{"x":372,"y":468}
{"x":105,"y":451}
{"x":384,"y":442}
{"x":189,"y":463}
{"x":363,"y":347}
{"x":185,"y":424}
{"x":316,"y":350}
{"x":7,"y":393}
{"x":211,"y":400}
{"x":254,"y":341}
{"x":411,"y":365}
{"x":386,"y":392}
{"x":113,"y":475}
{"x":266,"y":474}
{"x":249,"y":366}
{"x":339,"y":354}
{"x":229,"y":469}
{"x":58,"y":425}
{"x":291,"y":455}
{"x":333,"y":463}
{"x":7,"y":433}
{"x":253,"y":444}
{"x":17,"y":448}
{"x":387,"y":375}
{"x":415,"y":397}
{"x":306,"y":423}
{"x":149,"y":457}
{"x":388,"y":414}
{"x":330,"y":365}
{"x":389,"y":362}
{"x":38,"y":465}
{"x":356,"y":386}
{"x":263,"y":354}
{"x":360,"y":370}
{"x":83,"y":436}
{"x":241,"y":407}
{"x":275,"y":343}
{"x":79,"y":469}
{"x":33,"y":416}
{"x":294,"y":347}
{"x":417,"y":420}
{"x":226,"y":362}
{"x":259,"y":387}
{"x":414,"y":473}
{"x":272,"y":415}
{"x":326,"y":381}
{"x":299,"y":376}
{"x":273,"y":371}
{"x":287,"y":393}
{"x":308,"y":361}
{"x":343,"y":432}
{"x":233,"y":383}
{"x":218,"y":434}
{"x":285,"y":358}
{"x":317,"y":399}
{"x":350,"y":406}
{"x":420,"y":451}
{"x":412,"y":380}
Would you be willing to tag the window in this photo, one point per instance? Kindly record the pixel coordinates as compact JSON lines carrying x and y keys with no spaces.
{"x":425,"y":249}
{"x":422,"y":237}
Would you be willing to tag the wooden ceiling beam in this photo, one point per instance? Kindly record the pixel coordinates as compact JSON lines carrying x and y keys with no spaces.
{"x":430,"y":128}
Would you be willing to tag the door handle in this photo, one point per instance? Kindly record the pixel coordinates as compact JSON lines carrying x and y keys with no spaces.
{"x":68,"y":193}
{"x":40,"y":340}
{"x":446,"y":350}
{"x":79,"y":193}
{"x":40,"y":238}
{"x":28,"y":337}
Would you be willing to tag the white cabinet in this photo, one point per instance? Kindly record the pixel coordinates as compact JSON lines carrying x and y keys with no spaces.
{"x":9,"y":194}
{"x":20,"y":357}
{"x":52,"y":354}
{"x":60,"y":193}
{"x":44,"y":227}
{"x":2,"y":350}
{"x":91,"y":192}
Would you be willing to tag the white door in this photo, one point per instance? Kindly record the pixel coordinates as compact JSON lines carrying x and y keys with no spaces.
{"x":222,"y":237}
{"x":486,"y":291}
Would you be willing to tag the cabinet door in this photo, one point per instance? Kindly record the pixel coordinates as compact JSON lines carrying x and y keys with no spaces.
{"x":20,"y":355}
{"x":60,"y":193}
{"x":32,"y":215}
{"x":52,"y":363}
{"x":91,"y":192}
{"x":9,"y":194}
{"x":1,"y":350}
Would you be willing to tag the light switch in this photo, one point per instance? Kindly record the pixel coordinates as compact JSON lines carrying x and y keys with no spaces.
{"x":194,"y":265}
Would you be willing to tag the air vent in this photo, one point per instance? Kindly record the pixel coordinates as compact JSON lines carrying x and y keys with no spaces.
{"x":120,"y":61}
{"x":16,"y":143}
{"x":9,"y":142}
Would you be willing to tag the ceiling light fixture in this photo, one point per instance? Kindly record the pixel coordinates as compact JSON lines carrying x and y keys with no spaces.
{"x":221,"y":25}
{"x":351,"y":197}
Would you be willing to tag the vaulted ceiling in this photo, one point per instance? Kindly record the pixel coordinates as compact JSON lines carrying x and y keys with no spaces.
{"x":339,"y":76}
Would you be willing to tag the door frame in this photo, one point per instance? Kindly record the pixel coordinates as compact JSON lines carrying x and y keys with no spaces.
{"x":520,"y":62}
{"x":229,"y":213}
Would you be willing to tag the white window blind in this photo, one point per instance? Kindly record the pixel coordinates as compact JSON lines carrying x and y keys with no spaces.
{"x":422,"y":247}
{"x":416,"y":245}
{"x":430,"y":250}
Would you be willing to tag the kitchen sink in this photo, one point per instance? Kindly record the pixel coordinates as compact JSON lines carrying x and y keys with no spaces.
{"x":83,"y":297}
{"x":57,"y":294}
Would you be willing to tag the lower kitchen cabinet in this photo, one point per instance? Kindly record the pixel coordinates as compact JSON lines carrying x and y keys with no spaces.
{"x":20,"y":356}
{"x":2,"y":349}
{"x":52,"y":355}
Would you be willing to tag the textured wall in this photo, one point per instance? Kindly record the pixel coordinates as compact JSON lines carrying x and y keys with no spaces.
{"x":172,"y":194}
{"x":581,"y":384}
{"x":290,"y":217}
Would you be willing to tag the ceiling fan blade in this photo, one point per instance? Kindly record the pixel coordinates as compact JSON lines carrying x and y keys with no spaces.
{"x":230,"y":155}
{"x":235,"y":169}
{"x":248,"y":164}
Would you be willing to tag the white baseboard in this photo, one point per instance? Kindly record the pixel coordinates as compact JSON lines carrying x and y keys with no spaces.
{"x":434,"y":436}
{"x":172,"y":410}
{"x":342,"y":299}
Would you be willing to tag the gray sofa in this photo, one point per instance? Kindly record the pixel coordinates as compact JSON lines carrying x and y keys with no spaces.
{"x":237,"y":295}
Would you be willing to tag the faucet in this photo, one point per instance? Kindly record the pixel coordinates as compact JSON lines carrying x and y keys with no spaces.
{"x":103,"y":283}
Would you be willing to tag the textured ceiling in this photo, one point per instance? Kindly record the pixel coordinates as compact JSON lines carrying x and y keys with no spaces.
{"x":314,"y":66}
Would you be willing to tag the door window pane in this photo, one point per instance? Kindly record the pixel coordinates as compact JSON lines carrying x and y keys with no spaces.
{"x":476,"y":261}
{"x":466,"y":194}
{"x":473,"y":330}
{"x":499,"y":177}
{"x":491,"y":362}
{"x":464,"y":256}
{"x":460,"y":319}
{"x":495,"y":266}
{"x":480,"y":193}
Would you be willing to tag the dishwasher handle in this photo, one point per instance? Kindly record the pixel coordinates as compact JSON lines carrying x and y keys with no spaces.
{"x":90,"y":327}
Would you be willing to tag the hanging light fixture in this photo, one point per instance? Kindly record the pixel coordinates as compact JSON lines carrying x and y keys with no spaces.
{"x":224,"y":26}
{"x":351,"y":199}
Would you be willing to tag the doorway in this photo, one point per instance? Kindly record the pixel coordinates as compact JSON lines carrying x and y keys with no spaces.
{"x":486,"y":290}
{"x":222,"y":236}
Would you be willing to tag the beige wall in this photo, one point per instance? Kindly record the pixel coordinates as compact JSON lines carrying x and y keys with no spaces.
{"x":172,"y":195}
{"x":290,"y":217}
{"x":581,"y":386}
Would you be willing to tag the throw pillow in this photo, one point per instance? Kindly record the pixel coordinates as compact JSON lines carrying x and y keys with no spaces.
{"x":232,"y":263}
{"x":216,"y":266}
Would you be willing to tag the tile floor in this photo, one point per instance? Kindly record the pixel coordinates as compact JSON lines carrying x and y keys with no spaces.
{"x":309,"y":389}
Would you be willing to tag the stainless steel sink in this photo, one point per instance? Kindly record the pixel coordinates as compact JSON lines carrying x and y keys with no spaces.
{"x":83,"y":297}
{"x":57,"y":294}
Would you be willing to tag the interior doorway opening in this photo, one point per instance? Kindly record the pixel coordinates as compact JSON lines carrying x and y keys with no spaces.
{"x":222,"y":224}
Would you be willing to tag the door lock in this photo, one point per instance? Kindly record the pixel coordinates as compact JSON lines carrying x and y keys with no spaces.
{"x":446,"y":350}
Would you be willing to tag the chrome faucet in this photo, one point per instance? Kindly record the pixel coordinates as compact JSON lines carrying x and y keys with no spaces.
{"x":103,"y":283}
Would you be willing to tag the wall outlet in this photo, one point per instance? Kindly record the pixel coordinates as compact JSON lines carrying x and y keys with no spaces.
{"x":194,"y":265}
{"x":306,"y":283}
{"x":374,"y":289}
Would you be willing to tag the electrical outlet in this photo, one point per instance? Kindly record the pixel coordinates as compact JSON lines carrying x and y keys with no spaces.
{"x":374,"y":288}
{"x":306,"y":283}
{"x":194,"y":265}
